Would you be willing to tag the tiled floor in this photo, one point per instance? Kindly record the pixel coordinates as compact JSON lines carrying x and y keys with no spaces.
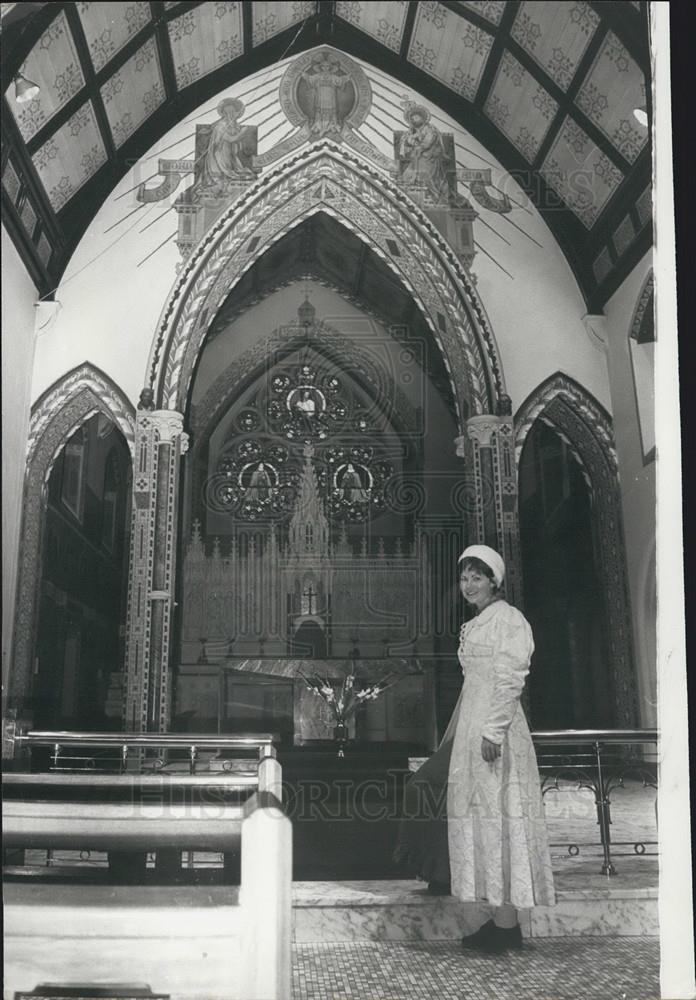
{"x":549,"y":969}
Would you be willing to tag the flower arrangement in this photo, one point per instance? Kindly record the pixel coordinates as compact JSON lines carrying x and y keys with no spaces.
{"x":353,"y":692}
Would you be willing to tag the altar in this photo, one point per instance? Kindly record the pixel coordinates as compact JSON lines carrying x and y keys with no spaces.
{"x":242,"y":695}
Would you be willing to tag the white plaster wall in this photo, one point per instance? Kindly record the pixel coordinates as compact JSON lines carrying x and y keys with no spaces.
{"x":18,"y":298}
{"x":538,"y":324}
{"x":637,"y":486}
{"x":112,"y":297}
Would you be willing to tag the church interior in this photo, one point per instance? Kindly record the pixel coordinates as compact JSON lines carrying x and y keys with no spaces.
{"x":299,"y":300}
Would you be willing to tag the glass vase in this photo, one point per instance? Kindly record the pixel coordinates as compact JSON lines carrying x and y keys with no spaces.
{"x":340,"y":735}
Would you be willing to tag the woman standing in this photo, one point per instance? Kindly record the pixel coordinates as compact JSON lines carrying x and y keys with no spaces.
{"x":490,"y":846}
{"x":497,"y":837}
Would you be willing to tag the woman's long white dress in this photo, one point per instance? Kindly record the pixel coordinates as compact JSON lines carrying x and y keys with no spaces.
{"x":498,"y":843}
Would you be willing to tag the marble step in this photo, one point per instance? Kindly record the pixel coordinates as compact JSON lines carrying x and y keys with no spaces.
{"x":405,"y":911}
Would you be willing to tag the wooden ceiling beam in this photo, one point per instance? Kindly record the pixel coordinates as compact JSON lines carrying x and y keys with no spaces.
{"x":164,"y":50}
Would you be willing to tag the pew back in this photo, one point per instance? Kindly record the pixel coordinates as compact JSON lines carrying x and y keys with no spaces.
{"x":192,"y":942}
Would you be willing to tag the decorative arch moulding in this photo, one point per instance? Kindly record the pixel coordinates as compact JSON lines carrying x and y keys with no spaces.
{"x":109,"y":400}
{"x":368,"y":204}
{"x":589,"y":409}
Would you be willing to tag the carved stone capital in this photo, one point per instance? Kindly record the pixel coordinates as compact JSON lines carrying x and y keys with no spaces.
{"x":170,"y":424}
{"x":481,"y":427}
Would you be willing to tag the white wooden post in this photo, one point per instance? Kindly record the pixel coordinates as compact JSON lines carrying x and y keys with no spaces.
{"x":265,"y":899}
{"x":271,"y":777}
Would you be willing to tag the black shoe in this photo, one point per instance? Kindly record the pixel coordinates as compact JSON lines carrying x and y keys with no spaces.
{"x":509,"y":938}
{"x":439,"y":888}
{"x":493,"y":939}
{"x":480,"y":938}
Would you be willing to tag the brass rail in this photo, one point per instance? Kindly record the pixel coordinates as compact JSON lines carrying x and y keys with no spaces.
{"x":601,"y":768}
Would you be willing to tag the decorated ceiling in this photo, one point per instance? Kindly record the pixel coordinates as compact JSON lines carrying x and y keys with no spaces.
{"x":549,"y":88}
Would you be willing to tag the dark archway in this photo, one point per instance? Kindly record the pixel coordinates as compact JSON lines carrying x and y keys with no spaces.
{"x":82,"y":583}
{"x":570,"y":684}
{"x":586,"y":428}
{"x":56,"y":416}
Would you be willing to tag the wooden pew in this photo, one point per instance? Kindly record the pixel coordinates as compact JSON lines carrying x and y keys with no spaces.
{"x":193,"y":942}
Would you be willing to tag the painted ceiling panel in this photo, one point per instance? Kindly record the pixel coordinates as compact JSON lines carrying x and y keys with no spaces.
{"x":204,"y":38}
{"x":70,"y":156}
{"x":492,"y":10}
{"x":43,"y":248}
{"x":28,"y":216}
{"x":520,"y":107}
{"x":555,"y":35}
{"x":10,"y":181}
{"x":134,"y":92}
{"x":53,"y":64}
{"x":108,"y":26}
{"x":580,"y":173}
{"x":449,"y":47}
{"x":384,"y":21}
{"x":611,"y":91}
{"x":602,"y":264}
{"x":268,"y":19}
{"x":624,"y":235}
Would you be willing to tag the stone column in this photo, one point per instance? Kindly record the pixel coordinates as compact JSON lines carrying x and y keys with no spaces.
{"x":160,"y":442}
{"x":489,"y":452}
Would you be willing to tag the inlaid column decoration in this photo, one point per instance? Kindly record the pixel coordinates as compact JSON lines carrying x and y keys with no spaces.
{"x":160,"y":442}
{"x":489,"y":454}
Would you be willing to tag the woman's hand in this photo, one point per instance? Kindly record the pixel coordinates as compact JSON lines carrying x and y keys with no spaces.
{"x":489,"y":751}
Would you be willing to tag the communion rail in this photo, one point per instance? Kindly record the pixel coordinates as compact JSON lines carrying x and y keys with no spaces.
{"x":189,"y":941}
{"x":599,"y":760}
{"x":131,"y":750}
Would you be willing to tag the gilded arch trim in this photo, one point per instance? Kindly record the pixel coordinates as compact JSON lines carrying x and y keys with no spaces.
{"x":56,"y":415}
{"x":326,"y":178}
{"x":587,"y":427}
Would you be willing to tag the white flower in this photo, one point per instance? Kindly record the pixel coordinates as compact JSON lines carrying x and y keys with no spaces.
{"x":349,"y":682}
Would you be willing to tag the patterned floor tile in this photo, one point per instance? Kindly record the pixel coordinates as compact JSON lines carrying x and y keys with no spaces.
{"x":550,"y":969}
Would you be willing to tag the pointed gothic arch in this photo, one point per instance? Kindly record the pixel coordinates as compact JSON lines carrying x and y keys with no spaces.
{"x":56,"y":415}
{"x":583,"y":423}
{"x":327,"y":178}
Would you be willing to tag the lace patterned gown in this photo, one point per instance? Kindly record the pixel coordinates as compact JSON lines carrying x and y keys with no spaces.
{"x":498,"y":846}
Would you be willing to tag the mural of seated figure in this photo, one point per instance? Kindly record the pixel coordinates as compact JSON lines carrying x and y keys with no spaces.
{"x":231,"y":147}
{"x":422,"y":158}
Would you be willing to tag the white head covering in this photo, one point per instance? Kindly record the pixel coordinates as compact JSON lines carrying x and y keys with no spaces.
{"x":488,"y":556}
